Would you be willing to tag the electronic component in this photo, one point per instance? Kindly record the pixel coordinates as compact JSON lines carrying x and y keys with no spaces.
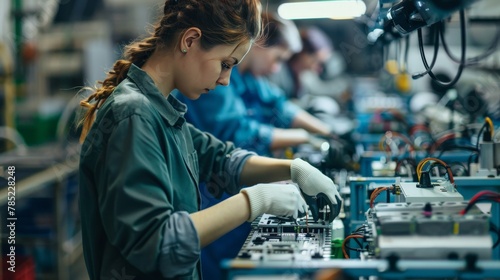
{"x":279,"y":239}
{"x":433,"y":230}
{"x":489,"y":152}
{"x":440,"y":191}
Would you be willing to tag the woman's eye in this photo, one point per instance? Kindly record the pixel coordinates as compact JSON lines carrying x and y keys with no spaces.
{"x":225,"y":65}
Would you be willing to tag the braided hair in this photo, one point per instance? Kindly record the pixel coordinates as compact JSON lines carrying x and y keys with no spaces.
{"x":222,"y":22}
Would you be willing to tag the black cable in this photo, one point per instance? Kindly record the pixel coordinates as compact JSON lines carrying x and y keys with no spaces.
{"x":494,"y":229}
{"x":469,"y":160}
{"x":360,"y":249}
{"x":446,"y":167}
{"x":359,"y":243}
{"x":488,"y":198}
{"x":422,"y":53}
{"x":456,"y":147}
{"x":479,"y":136}
{"x":407,"y":49}
{"x":462,"y":58}
{"x":438,"y":164}
{"x":355,"y":249}
{"x":358,"y":230}
{"x":473,"y":60}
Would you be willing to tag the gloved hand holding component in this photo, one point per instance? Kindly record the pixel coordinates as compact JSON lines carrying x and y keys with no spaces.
{"x":275,"y":199}
{"x":315,"y":186}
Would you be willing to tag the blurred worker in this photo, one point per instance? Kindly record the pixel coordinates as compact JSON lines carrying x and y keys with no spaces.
{"x":316,"y":50}
{"x":141,"y":162}
{"x":251,"y":112}
{"x":313,"y":79}
{"x":255,"y":115}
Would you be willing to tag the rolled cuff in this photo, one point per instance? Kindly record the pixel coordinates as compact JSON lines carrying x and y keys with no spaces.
{"x":233,"y":166}
{"x":289,"y":112}
{"x":180,"y":250}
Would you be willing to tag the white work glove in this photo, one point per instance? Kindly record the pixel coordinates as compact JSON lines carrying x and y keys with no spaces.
{"x":275,"y":199}
{"x":316,"y":187}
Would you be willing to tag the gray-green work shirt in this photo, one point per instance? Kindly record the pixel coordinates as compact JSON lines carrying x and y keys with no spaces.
{"x":139,"y":171}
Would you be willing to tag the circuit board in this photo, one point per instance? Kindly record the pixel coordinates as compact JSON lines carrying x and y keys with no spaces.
{"x":280,"y":239}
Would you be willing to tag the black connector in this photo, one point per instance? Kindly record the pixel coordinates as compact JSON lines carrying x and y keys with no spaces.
{"x":487,"y":134}
{"x":425,"y":180}
{"x":392,"y":262}
{"x":427,"y":211}
{"x":471,"y":263}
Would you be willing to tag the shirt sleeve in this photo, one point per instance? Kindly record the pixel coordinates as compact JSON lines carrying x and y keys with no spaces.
{"x":134,"y":204}
{"x":283,"y":110}
{"x":220,"y":163}
{"x":285,"y":81}
{"x":224,"y":114}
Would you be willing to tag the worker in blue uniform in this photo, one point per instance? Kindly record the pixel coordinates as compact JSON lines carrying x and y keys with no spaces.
{"x":141,"y":163}
{"x":251,"y":112}
{"x":255,"y":115}
{"x":317,"y":49}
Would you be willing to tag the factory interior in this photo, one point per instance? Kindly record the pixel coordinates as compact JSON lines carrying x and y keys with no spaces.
{"x":389,"y":108}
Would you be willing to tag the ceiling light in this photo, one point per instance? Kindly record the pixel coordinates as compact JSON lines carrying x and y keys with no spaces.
{"x":342,"y":9}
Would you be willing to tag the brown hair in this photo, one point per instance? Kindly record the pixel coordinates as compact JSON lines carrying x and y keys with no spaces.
{"x":222,"y":22}
{"x":280,"y":32}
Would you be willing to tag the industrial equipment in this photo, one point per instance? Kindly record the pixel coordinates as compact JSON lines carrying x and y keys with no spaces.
{"x":435,"y":230}
{"x":281,"y":239}
{"x":409,"y":15}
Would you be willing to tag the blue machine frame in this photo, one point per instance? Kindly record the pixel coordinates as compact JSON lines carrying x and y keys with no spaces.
{"x":360,"y":186}
{"x":385,"y":269}
{"x":367,"y":158}
{"x":353,"y":269}
{"x":467,"y":186}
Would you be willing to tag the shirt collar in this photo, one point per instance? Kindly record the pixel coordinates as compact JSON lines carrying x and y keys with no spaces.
{"x":237,"y":80}
{"x":170,"y":108}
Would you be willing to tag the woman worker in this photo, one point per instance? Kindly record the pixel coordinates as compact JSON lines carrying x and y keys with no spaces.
{"x":253,"y":114}
{"x":140,"y":161}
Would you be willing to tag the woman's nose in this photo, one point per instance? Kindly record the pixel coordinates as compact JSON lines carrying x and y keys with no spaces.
{"x":224,"y":79}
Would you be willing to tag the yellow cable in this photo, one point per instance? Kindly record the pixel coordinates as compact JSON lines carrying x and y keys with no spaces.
{"x":422,"y":163}
{"x":420,"y":166}
{"x":381,"y":143}
{"x":488,"y":120}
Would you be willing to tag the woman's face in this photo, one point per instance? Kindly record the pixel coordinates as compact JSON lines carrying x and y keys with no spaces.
{"x":313,"y":61}
{"x":202,"y":70}
{"x":267,"y":60}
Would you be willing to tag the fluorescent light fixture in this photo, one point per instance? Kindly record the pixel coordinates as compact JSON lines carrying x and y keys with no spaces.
{"x":342,"y":9}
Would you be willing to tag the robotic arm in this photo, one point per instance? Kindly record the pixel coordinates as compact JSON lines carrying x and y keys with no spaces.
{"x":409,"y":15}
{"x":397,"y":18}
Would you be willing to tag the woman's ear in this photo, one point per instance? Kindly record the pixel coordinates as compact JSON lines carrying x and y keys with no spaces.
{"x":189,"y":38}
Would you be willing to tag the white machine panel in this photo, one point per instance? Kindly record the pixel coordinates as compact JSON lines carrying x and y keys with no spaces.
{"x":411,"y":193}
